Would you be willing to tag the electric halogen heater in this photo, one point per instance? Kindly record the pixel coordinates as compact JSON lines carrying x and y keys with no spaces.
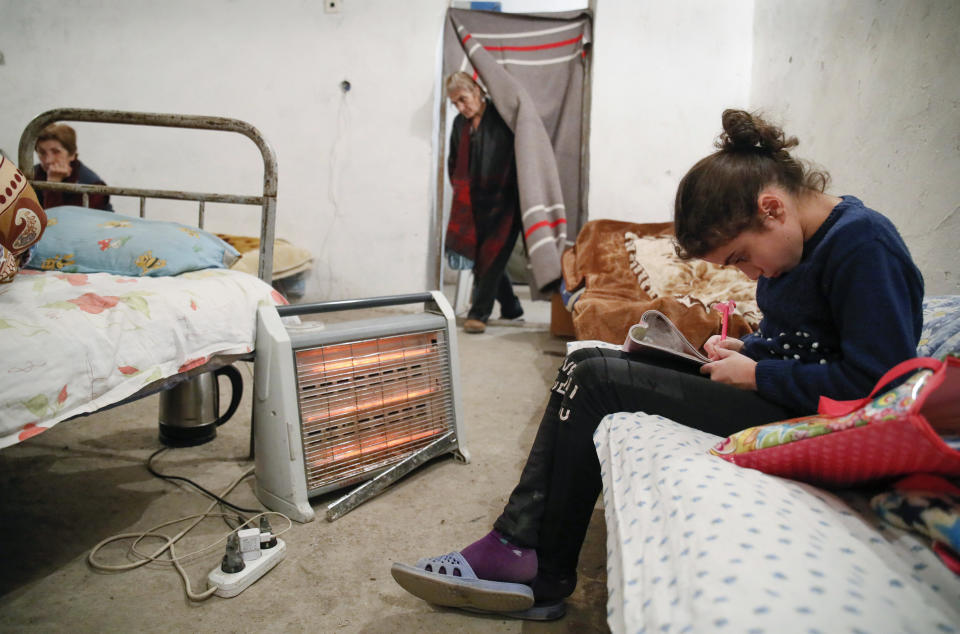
{"x":336,"y":404}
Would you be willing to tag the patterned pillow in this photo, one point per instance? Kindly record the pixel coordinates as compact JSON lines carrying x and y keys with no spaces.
{"x":662,"y":273}
{"x":81,"y":240}
{"x":941,"y":326}
{"x":288,"y":260}
{"x":929,"y":505}
{"x":22,"y":221}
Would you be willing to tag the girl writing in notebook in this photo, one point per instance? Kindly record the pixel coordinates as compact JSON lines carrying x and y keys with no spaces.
{"x":841,"y":302}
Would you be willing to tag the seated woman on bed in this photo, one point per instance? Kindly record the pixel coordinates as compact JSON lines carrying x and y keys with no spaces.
{"x":57,"y":149}
{"x":841,"y":299}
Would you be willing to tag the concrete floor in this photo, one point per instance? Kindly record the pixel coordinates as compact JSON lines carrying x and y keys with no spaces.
{"x":83,"y":481}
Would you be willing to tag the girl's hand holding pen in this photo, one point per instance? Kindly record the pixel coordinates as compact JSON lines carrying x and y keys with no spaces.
{"x":717,"y":341}
{"x":731,"y":367}
{"x":727,"y":365}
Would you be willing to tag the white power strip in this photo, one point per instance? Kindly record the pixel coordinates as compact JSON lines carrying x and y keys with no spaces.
{"x":230,"y":584}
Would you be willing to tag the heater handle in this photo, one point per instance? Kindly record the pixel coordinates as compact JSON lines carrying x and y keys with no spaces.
{"x":353,"y":304}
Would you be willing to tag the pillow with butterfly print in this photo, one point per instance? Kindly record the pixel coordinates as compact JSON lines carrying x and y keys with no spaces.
{"x":82,"y":240}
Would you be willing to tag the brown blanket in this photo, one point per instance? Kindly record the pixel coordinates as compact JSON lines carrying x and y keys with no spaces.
{"x":613,"y":299}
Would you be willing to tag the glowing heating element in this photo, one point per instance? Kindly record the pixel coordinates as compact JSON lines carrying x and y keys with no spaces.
{"x":367,"y":404}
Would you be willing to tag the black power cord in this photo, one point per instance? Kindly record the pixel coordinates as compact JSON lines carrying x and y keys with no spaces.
{"x":211,"y":494}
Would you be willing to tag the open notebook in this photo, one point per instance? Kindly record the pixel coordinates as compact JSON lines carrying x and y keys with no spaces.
{"x":654,"y":336}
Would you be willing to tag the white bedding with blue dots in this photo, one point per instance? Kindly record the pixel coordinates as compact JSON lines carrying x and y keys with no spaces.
{"x":697,"y":544}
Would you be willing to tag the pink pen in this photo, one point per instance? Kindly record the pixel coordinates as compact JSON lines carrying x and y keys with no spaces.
{"x":725,"y":309}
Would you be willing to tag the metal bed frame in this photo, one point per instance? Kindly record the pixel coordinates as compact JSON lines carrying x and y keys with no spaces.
{"x":267,"y":202}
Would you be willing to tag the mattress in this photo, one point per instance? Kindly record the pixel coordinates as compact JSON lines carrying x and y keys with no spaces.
{"x":71,"y":344}
{"x":697,"y":544}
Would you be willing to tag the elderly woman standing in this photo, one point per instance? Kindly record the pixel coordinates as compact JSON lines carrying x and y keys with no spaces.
{"x":485,"y":212}
{"x":57,"y":149}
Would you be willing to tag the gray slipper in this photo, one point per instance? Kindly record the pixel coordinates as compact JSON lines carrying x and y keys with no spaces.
{"x":547,"y":611}
{"x":449,"y":581}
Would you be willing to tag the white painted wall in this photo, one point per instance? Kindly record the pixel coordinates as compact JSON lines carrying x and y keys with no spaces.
{"x":356,"y":169}
{"x":662,"y":74}
{"x":872,"y":90}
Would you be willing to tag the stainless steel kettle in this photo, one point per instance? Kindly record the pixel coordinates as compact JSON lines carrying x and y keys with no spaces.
{"x":190,"y":411}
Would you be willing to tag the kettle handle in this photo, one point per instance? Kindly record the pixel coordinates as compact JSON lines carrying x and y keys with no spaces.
{"x":236,"y":391}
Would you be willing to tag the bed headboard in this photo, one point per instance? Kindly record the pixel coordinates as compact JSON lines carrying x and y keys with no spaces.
{"x":267,"y":202}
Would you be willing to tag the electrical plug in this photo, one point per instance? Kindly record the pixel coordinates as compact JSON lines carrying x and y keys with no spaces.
{"x":232,"y":561}
{"x":249,"y":543}
{"x":267,"y":538}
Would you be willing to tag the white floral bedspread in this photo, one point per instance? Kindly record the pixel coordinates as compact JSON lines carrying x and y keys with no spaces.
{"x":74,"y":343}
{"x":697,"y":544}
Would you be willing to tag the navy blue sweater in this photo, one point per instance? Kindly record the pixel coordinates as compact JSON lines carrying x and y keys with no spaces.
{"x":846,"y":314}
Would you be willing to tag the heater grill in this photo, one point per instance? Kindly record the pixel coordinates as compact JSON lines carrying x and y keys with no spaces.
{"x":352,"y":401}
{"x":365,"y":404}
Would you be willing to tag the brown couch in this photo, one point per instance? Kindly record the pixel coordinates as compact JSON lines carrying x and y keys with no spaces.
{"x":607,"y":297}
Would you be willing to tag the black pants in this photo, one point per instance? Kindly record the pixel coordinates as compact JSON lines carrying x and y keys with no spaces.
{"x":495,"y":284}
{"x":551,"y":506}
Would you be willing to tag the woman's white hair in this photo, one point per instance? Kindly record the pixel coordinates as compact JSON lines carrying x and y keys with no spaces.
{"x":461,"y":81}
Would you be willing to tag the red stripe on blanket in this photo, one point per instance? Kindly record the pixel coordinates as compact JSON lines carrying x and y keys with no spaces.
{"x":544,"y":223}
{"x":467,"y":38}
{"x":534,"y":47}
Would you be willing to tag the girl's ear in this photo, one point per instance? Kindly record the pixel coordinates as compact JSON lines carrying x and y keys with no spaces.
{"x":770,"y":205}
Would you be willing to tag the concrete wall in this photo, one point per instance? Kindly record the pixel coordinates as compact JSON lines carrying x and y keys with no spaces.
{"x":872,"y":90}
{"x":663,"y":73}
{"x":355,"y":167}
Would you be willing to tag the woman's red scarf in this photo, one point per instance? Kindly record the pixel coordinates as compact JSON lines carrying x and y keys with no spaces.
{"x":461,"y":229}
{"x":480,"y":234}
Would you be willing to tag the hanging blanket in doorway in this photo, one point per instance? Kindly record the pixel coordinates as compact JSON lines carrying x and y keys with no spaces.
{"x":514,"y":57}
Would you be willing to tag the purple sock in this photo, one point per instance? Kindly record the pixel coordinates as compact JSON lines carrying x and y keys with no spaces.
{"x":495,"y":559}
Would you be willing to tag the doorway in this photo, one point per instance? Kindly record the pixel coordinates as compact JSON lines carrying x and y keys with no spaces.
{"x":527,"y":64}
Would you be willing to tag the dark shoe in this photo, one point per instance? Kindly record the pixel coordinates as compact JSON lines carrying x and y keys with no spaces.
{"x":514,"y":312}
{"x":474,"y":326}
{"x":550,"y":588}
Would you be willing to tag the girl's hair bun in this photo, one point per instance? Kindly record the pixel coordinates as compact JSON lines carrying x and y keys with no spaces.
{"x":743,"y":131}
{"x":717,"y":199}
